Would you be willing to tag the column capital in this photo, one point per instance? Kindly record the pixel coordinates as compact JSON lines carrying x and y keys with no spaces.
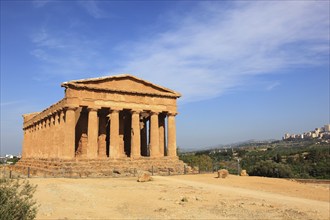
{"x":152,"y":112}
{"x":70,"y":107}
{"x":61,"y":114}
{"x":115,"y":109}
{"x":91,"y":109}
{"x":172,"y":113}
{"x":138,"y":111}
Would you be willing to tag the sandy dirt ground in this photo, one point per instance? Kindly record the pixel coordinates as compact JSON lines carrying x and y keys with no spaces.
{"x":180,"y":197}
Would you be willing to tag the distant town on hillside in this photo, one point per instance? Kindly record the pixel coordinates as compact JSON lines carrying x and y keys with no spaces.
{"x":320,"y":133}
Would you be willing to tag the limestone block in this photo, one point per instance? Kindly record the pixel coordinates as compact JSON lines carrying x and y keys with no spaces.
{"x":144,"y":177}
{"x":223,"y":173}
{"x":244,"y":173}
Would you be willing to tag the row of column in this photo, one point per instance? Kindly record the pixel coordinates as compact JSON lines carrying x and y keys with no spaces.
{"x":54,"y":136}
{"x":49,"y":137}
{"x":156,"y":134}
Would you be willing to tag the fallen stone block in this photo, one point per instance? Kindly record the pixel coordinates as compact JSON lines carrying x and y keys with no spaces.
{"x":223,"y":173}
{"x":244,"y":173}
{"x":144,"y":177}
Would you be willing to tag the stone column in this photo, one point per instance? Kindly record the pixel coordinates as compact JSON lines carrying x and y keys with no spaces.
{"x":62,"y":133}
{"x":56,"y":134}
{"x":161,"y":123}
{"x":121,"y":141}
{"x":42,"y":138}
{"x":92,"y":133}
{"x":47,"y":141}
{"x":135,"y":136}
{"x":154,"y":135}
{"x":171,"y":135}
{"x":69,"y":133}
{"x":114,"y":134}
{"x":39,"y":139}
{"x":26,"y":151}
{"x":33,"y":135}
{"x":51,"y":136}
{"x":24,"y":144}
{"x":144,"y":144}
{"x":102,"y":145}
{"x":30,"y":141}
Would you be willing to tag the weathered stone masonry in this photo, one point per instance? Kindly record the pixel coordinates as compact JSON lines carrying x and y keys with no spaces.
{"x":110,"y":118}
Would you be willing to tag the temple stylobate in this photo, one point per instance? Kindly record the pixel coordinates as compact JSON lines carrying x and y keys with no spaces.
{"x":113,"y":118}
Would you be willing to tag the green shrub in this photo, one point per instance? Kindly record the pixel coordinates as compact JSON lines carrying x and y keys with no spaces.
{"x":204,"y":162}
{"x":16,"y":200}
{"x":270,"y":169}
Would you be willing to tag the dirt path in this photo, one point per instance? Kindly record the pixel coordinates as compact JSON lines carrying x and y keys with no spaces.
{"x":181,"y":197}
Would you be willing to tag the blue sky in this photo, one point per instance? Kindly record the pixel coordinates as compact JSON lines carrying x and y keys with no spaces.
{"x":246,"y":69}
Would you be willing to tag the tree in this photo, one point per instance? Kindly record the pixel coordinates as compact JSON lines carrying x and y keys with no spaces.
{"x":205,"y":163}
{"x":14,"y":160}
{"x":16,"y":200}
{"x":270,"y":169}
{"x":277,"y":158}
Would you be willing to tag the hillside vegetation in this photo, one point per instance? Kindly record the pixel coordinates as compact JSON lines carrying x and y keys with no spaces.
{"x":283,"y":159}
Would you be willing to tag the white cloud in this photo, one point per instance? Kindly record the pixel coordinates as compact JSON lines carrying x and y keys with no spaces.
{"x":273,"y":85}
{"x":212,"y":50}
{"x":10,"y":103}
{"x":92,"y":8}
{"x":40,"y":3}
{"x":206,"y":52}
{"x":66,"y":54}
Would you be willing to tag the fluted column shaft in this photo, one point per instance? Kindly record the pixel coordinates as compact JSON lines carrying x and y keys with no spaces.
{"x":51,"y":136}
{"x":144,"y":144}
{"x":154,"y":135}
{"x":25,"y":145}
{"x":161,"y":134}
{"x":57,"y":144}
{"x":135,"y":136}
{"x":62,"y":134}
{"x":70,"y":125}
{"x":102,"y":149}
{"x":114,"y":134}
{"x":92,"y":133}
{"x":171,"y":135}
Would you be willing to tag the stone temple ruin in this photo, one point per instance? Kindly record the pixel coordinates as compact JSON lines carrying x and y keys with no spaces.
{"x":107,"y":126}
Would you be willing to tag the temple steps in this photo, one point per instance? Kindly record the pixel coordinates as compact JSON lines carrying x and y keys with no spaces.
{"x":103,"y":167}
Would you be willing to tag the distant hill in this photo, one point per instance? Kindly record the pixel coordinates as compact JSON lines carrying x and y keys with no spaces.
{"x":221,"y":146}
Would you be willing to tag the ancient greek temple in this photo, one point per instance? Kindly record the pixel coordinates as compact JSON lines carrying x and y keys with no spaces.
{"x":116,"y":118}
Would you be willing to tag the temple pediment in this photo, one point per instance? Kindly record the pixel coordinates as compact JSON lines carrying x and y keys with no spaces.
{"x":121,"y":83}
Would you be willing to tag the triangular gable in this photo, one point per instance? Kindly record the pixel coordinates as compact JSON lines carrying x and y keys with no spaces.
{"x":122,"y":83}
